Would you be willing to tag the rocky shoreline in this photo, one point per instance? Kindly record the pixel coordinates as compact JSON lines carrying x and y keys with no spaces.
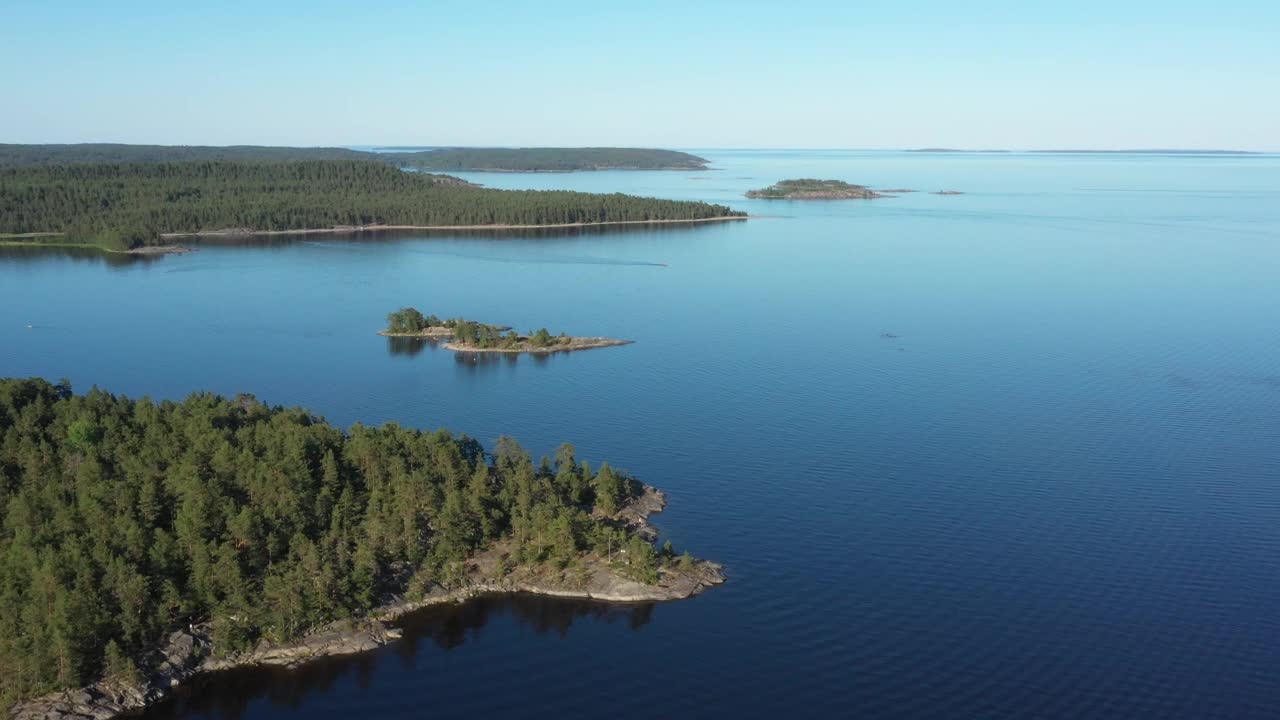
{"x":575,"y":343}
{"x":158,"y":250}
{"x":189,"y":652}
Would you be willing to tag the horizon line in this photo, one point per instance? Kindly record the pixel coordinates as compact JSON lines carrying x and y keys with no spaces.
{"x":919,"y":149}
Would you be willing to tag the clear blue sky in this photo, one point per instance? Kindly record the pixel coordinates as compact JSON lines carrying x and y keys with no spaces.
{"x":845,"y":74}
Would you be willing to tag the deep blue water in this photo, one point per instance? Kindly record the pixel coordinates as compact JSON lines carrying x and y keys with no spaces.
{"x":1054,"y":492}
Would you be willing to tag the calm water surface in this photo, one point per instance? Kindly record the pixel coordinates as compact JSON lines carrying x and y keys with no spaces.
{"x":1007,"y":454}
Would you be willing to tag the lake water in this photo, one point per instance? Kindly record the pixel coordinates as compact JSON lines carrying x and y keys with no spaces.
{"x":1007,"y":454}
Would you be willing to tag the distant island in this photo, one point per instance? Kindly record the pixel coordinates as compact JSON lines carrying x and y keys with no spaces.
{"x":545,"y":159}
{"x":470,"y":336}
{"x":444,"y":159}
{"x":146,"y":542}
{"x":812,"y":189}
{"x":1149,"y":151}
{"x":129,"y":206}
{"x":951,"y":150}
{"x":1138,"y":151}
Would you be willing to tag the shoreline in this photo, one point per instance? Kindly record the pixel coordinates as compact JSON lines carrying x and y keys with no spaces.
{"x":144,"y":250}
{"x":577,"y":343}
{"x":30,"y":239}
{"x":431,"y":333}
{"x":186,"y":653}
{"x":235,"y":232}
{"x":445,"y":333}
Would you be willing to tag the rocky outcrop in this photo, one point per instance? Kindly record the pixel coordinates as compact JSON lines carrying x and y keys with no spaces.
{"x":565,"y":345}
{"x":179,"y":659}
{"x":339,"y":638}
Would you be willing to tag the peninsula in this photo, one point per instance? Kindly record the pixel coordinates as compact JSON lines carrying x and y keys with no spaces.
{"x":146,"y":542}
{"x":124,"y":206}
{"x":470,"y":336}
{"x":811,"y":189}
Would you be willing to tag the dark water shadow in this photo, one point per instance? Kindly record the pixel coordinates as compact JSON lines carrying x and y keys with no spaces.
{"x":409,"y":346}
{"x":472,"y":362}
{"x":319,"y":238}
{"x":36,"y":253}
{"x":228,"y":695}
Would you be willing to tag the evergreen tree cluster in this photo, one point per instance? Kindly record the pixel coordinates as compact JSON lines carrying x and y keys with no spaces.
{"x":123,"y":519}
{"x":502,"y":159}
{"x":15,"y":155}
{"x":123,"y":206}
{"x":409,"y":320}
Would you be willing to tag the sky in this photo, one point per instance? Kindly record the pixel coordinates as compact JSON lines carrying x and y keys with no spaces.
{"x":689,"y":74}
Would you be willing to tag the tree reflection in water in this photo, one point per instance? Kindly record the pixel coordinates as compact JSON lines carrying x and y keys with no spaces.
{"x":228,"y":695}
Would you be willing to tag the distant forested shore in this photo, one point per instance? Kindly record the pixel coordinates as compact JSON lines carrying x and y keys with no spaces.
{"x":547,"y":159}
{"x":121,"y":206}
{"x":451,"y":159}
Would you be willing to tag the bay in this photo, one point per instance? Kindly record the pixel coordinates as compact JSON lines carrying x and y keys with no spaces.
{"x":1012,"y":453}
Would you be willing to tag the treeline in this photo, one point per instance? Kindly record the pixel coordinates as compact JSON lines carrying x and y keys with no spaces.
{"x":12,"y":155}
{"x":547,"y":159}
{"x":411,"y":320}
{"x":125,"y":519}
{"x":487,"y":337}
{"x":504,"y":159}
{"x":124,"y":206}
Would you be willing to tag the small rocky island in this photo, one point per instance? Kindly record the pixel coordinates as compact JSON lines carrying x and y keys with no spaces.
{"x":469,"y":336}
{"x":811,"y":189}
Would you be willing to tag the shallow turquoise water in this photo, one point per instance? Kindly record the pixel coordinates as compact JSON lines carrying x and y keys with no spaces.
{"x":1052,"y":493}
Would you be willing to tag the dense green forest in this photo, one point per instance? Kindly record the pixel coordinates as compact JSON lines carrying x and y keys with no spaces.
{"x":505,"y":159}
{"x":130,"y":205}
{"x":547,"y":159}
{"x":91,"y":153}
{"x":123,"y":519}
{"x":409,"y":321}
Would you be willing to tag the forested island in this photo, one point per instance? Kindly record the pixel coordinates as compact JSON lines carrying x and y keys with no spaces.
{"x":546,"y":159}
{"x":136,"y":205}
{"x":470,"y":336}
{"x":143,"y":542}
{"x":455,"y":159}
{"x":812,"y":189}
